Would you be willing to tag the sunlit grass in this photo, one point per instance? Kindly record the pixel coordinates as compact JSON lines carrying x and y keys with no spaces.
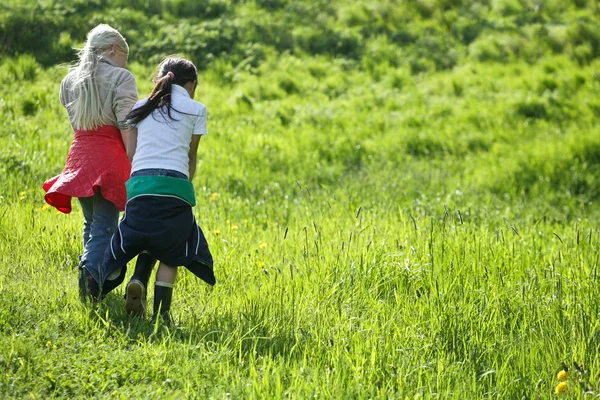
{"x":370,"y":241}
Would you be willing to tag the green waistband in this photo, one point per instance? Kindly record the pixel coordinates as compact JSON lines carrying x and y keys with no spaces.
{"x":162,"y":186}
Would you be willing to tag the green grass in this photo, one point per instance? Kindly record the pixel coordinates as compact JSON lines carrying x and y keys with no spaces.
{"x":377,"y":232}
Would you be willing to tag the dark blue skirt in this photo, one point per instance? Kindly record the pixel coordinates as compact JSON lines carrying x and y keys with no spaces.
{"x":166,"y":227}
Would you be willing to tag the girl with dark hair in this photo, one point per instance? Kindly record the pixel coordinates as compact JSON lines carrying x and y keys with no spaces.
{"x":163,"y":141}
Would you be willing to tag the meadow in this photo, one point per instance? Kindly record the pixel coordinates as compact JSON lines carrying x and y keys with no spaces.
{"x":401,"y":199}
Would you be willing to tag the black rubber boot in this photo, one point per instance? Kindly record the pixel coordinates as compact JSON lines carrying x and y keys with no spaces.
{"x":143,"y":267}
{"x":110,"y":284}
{"x":135,"y":295}
{"x":89,"y":290}
{"x":163,"y":294}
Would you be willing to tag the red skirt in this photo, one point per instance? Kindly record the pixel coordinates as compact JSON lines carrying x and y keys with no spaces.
{"x":97,"y":160}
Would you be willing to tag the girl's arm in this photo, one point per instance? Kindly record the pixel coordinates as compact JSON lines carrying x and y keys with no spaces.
{"x":131,"y":142}
{"x":125,"y":137}
{"x":192,"y":154}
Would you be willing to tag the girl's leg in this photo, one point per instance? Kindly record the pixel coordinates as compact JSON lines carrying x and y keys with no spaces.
{"x":105,"y":218}
{"x":135,"y":295}
{"x":87,"y":207}
{"x":100,"y":221}
{"x":163,"y":291}
{"x":88,"y":288}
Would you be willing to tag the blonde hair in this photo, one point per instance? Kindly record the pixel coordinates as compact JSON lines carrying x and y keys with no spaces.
{"x":86,"y":108}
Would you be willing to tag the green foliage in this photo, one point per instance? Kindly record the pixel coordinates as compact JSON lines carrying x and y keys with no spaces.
{"x":431,"y":35}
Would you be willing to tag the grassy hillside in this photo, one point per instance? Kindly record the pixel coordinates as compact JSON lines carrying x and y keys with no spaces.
{"x":401,"y":199}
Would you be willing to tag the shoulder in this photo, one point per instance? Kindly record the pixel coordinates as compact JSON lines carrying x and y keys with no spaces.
{"x":124,"y":75}
{"x":65,"y":87}
{"x":67,"y":79}
{"x":115,"y":74}
{"x":200,"y":108}
{"x":194,"y":107}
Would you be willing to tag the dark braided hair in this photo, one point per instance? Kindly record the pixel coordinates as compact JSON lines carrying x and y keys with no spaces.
{"x":173,"y":70}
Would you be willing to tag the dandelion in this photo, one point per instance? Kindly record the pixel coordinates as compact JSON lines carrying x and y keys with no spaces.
{"x":22,"y":196}
{"x":562,"y":375}
{"x":263,"y":245}
{"x":49,"y":344}
{"x":213,"y":197}
{"x":234,"y":227}
{"x":260,"y":264}
{"x":46,"y":207}
{"x":217,"y":232}
{"x":561,"y":388}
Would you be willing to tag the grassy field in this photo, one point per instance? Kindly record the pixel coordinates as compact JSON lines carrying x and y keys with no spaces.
{"x":380,"y":229}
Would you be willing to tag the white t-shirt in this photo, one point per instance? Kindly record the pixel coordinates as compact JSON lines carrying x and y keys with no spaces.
{"x":165,"y":143}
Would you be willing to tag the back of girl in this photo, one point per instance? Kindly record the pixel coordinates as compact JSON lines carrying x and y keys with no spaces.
{"x":98,"y":93}
{"x":163,"y":143}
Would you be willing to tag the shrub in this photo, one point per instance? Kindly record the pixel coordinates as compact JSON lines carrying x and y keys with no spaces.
{"x":584,"y":36}
{"x":206,"y":9}
{"x":532,"y":109}
{"x":24,"y":68}
{"x":328,"y":41}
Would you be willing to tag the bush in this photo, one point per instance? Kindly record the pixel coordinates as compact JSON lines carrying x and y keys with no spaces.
{"x":205,"y":9}
{"x":328,"y":41}
{"x":584,"y":37}
{"x":202,"y":42}
{"x":23,"y":68}
{"x":532,"y":109}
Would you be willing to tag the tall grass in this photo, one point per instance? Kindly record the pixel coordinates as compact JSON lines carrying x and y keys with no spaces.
{"x":377,"y":233}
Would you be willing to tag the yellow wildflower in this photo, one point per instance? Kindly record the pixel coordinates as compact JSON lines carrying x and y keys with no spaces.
{"x":46,"y":206}
{"x":49,"y":344}
{"x":562,"y":376}
{"x":213,"y":196}
{"x":217,"y":232}
{"x":263,"y":245}
{"x":260,"y":264}
{"x":23,"y":194}
{"x":561,"y":388}
{"x":234,"y":227}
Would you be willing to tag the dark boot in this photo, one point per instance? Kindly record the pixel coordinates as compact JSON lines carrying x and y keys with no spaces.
{"x":143,"y":267}
{"x":110,"y":284}
{"x":89,"y":290}
{"x":163,"y":294}
{"x":135,"y":296}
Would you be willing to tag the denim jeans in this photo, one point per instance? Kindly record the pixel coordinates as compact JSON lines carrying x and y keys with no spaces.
{"x":100,"y":222}
{"x":158,"y":172}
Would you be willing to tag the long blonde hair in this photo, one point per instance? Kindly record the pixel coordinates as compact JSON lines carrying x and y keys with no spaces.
{"x":86,"y":108}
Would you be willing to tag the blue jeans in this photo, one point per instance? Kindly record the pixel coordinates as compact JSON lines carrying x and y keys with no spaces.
{"x":100,"y":222}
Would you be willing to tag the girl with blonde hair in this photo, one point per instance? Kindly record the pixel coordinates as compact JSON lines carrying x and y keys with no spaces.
{"x":98,"y":93}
